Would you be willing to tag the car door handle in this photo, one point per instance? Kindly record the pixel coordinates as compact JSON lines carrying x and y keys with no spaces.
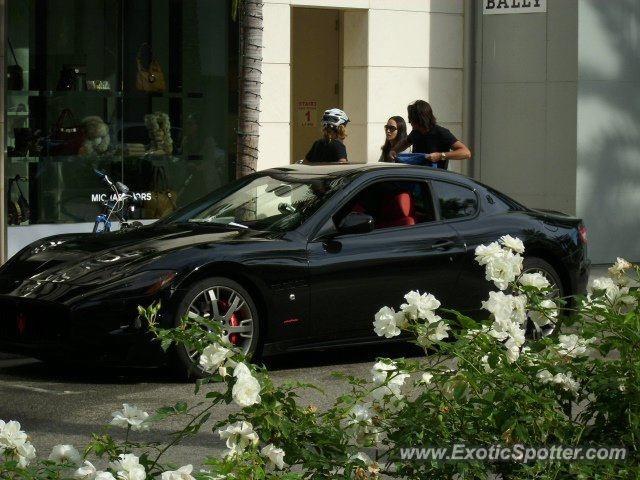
{"x":443,"y":245}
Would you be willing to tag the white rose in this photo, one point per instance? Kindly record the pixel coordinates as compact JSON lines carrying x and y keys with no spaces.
{"x":485,"y":253}
{"x":503,"y":269}
{"x":619,"y":268}
{"x":274,"y":454}
{"x":485,"y":364}
{"x":512,"y":243}
{"x":420,"y":306}
{"x":440,"y":332}
{"x":128,"y":467}
{"x":519,"y":313}
{"x":65,"y":454}
{"x":426,"y":378}
{"x":566,"y":382}
{"x":548,"y":313}
{"x":393,"y":386}
{"x":11,"y":435}
{"x":545,"y":376}
{"x":385,"y":323}
{"x":380,"y":371}
{"x":104,"y":476}
{"x":500,"y":305}
{"x":536,"y":280}
{"x":239,"y":436}
{"x":573,"y":346}
{"x":246,"y":390}
{"x":26,"y":453}
{"x":86,"y":472}
{"x":359,"y":413}
{"x":606,"y":284}
{"x":130,"y":416}
{"x":183,"y":473}
{"x":213,"y":356}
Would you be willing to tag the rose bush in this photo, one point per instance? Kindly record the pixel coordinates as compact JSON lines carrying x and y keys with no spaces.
{"x":478,"y":384}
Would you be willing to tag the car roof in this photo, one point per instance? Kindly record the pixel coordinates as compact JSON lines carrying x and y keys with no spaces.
{"x":340,"y":169}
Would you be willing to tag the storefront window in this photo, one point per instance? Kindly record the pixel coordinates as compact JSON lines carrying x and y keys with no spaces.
{"x":138,"y":89}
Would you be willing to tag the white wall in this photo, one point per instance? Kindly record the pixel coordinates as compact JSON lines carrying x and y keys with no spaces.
{"x":608,"y":170}
{"x":528,"y":94}
{"x":395,"y":52}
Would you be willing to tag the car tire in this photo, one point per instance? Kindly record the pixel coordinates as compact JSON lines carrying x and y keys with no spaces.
{"x":533,"y":265}
{"x":226,"y":290}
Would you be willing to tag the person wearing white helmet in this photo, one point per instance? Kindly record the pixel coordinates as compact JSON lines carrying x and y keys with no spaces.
{"x":330,"y":148}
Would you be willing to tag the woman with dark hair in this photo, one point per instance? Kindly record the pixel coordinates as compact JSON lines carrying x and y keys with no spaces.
{"x":437,"y":143}
{"x":395,"y":131}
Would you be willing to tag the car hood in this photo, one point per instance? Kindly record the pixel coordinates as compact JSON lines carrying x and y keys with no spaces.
{"x":86,"y":259}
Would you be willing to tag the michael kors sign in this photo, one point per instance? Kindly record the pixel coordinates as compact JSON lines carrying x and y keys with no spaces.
{"x":492,"y":7}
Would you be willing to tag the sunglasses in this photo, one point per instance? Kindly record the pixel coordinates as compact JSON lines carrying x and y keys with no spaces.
{"x":390,"y":128}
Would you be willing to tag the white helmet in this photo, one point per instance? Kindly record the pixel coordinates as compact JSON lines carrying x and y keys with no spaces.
{"x":334,"y":117}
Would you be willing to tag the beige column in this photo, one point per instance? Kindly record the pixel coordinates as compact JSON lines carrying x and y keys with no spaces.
{"x":275,"y":115}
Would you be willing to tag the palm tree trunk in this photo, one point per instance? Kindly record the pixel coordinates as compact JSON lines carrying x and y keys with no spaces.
{"x":250,"y":83}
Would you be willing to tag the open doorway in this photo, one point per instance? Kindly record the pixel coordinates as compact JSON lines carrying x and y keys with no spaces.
{"x":316,"y":71}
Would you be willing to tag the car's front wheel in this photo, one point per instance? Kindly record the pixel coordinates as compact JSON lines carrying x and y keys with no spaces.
{"x":225,"y":301}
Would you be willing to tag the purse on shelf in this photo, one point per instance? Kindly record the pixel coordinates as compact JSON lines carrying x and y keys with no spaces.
{"x":149,"y":75}
{"x":67,"y":135}
{"x":27,"y":142}
{"x":15,"y":77}
{"x":18,"y":209}
{"x":72,"y":78}
{"x":163,"y":199}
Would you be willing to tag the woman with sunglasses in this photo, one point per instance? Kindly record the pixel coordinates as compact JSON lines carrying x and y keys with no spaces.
{"x":395,"y":132}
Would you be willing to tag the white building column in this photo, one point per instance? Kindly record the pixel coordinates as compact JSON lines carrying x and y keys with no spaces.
{"x":275,"y":115}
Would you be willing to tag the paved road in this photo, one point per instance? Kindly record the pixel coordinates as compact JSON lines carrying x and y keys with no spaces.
{"x":58,"y":405}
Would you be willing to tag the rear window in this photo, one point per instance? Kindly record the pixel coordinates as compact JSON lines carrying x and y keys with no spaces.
{"x":500,"y":202}
{"x":455,"y":201}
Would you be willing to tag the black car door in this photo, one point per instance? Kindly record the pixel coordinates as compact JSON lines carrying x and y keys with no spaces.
{"x":353,"y":276}
{"x":460,"y":207}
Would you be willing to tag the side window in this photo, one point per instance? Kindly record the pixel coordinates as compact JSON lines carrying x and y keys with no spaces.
{"x":393,"y":203}
{"x":455,"y":201}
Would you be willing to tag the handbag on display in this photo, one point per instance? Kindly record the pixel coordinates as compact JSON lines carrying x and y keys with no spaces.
{"x":163,"y":199}
{"x":149,"y":75}
{"x":15,"y":77}
{"x":18,"y":209}
{"x":27,"y":142}
{"x":72,"y":78}
{"x":67,"y":135}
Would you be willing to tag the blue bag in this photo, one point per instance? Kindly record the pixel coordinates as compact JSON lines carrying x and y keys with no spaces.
{"x":415,"y":159}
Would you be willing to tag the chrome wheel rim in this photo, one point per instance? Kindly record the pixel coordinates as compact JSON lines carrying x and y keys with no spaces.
{"x":229,"y":308}
{"x":533,"y":331}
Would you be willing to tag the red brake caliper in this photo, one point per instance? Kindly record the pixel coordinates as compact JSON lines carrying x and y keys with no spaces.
{"x":234,"y":338}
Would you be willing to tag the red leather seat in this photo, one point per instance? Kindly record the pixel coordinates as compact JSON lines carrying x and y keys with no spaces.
{"x":397,"y":210}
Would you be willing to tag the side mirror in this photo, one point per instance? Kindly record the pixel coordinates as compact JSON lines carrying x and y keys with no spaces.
{"x":356,"y":222}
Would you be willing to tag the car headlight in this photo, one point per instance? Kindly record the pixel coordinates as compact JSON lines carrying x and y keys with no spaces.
{"x":148,"y":282}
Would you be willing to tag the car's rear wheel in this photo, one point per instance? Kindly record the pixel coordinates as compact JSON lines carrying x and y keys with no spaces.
{"x":538,"y":265}
{"x":225,"y":301}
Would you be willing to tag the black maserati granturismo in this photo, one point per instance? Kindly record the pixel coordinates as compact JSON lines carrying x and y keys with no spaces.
{"x":291,"y":258}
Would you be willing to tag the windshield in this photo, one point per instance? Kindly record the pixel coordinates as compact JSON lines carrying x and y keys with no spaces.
{"x":268,"y":202}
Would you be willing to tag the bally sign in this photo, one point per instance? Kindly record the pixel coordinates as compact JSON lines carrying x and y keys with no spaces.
{"x":492,"y":7}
